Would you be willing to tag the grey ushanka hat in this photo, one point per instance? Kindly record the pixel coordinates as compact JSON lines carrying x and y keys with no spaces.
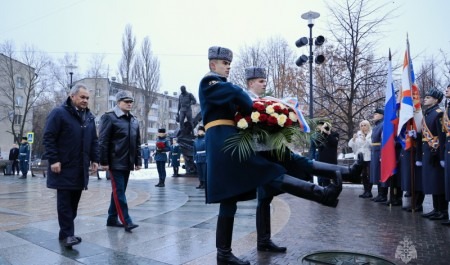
{"x":255,"y":72}
{"x":123,"y":94}
{"x":220,"y":53}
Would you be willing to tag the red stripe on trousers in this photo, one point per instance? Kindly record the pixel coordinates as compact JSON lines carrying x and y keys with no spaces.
{"x":116,"y":199}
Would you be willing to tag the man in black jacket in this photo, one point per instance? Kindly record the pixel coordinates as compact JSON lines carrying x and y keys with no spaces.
{"x":14,"y":159}
{"x":120,"y":152}
{"x":71,"y":146}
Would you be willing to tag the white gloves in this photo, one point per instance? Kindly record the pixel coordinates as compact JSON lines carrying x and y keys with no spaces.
{"x":419,"y":163}
{"x":412,"y":133}
{"x":442,"y":163}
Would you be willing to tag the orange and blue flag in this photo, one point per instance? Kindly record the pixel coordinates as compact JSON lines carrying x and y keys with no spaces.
{"x":388,"y":157}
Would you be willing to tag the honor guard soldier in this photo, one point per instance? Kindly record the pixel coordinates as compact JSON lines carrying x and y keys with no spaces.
{"x":162,"y":147}
{"x":24,"y":157}
{"x":375,"y":156}
{"x":433,"y":147}
{"x":446,"y":124}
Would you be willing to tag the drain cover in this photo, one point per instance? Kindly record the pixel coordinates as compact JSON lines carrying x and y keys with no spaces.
{"x":343,"y":258}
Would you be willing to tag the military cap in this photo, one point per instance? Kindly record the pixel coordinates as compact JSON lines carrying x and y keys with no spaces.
{"x":435,"y":93}
{"x":379,"y":111}
{"x":162,"y":130}
{"x":255,"y":72}
{"x":24,"y":138}
{"x":220,"y":53}
{"x":124,"y":95}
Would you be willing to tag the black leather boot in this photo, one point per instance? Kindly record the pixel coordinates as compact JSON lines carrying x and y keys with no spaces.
{"x":327,"y":196}
{"x":224,"y":235}
{"x":349,"y":173}
{"x":263,"y":229}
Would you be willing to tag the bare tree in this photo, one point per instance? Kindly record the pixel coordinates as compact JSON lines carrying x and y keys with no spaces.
{"x":128,"y":55}
{"x":60,"y":73}
{"x":147,"y":75}
{"x":20,"y":77}
{"x":352,"y":82}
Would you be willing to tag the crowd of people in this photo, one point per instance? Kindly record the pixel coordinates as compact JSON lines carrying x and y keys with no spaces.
{"x":74,"y":149}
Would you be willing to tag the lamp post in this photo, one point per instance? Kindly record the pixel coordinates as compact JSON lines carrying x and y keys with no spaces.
{"x":70,"y":69}
{"x":310,"y":16}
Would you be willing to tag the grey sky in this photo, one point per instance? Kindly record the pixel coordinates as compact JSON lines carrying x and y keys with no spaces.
{"x":181,"y":31}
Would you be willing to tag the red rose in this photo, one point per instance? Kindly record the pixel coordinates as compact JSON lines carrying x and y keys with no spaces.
{"x":160,"y":145}
{"x":288,"y":123}
{"x":259,"y":107}
{"x":277,"y":109}
{"x":248,"y":119}
{"x":285,"y":111}
{"x":237,"y":117}
{"x":272,"y":121}
{"x":263,"y":117}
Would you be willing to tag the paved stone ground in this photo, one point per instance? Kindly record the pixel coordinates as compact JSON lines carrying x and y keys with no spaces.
{"x":177,"y":227}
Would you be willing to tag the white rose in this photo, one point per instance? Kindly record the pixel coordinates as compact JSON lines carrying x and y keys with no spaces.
{"x":255,"y":116}
{"x":242,"y":124}
{"x":276,"y":115}
{"x":281,"y":120}
{"x":292,"y":116}
{"x":269,"y":109}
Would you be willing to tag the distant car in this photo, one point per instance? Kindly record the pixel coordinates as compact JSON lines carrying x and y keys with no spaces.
{"x":346,"y":159}
{"x":39,"y":165}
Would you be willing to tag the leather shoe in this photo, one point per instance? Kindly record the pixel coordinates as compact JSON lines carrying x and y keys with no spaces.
{"x":439,"y":216}
{"x":71,"y":241}
{"x":270,"y":247}
{"x":77,"y":237}
{"x":380,"y":199}
{"x":130,"y":227}
{"x":446,"y":223}
{"x":114,"y":224}
{"x":429,"y":214}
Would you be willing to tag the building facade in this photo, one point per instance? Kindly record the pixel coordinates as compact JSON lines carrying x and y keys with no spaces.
{"x":16,"y":85}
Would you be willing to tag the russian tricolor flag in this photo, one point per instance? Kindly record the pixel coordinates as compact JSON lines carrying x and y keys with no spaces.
{"x":388,"y":159}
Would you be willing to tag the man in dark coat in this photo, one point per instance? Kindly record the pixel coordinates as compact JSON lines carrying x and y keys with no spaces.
{"x":71,"y":147}
{"x":446,"y":125}
{"x":375,"y":154}
{"x":14,"y":159}
{"x":326,"y":143}
{"x":24,"y":157}
{"x":433,"y":148}
{"x":120,"y":152}
{"x":230,"y":180}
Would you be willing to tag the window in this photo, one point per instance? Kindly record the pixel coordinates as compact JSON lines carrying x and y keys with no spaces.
{"x":18,"y":119}
{"x":20,"y":82}
{"x":97,"y":107}
{"x":19,"y":101}
{"x":112,"y":103}
{"x":170,"y":103}
{"x":97,"y":92}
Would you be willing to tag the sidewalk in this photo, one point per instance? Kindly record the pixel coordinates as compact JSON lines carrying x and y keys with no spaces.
{"x":177,"y":227}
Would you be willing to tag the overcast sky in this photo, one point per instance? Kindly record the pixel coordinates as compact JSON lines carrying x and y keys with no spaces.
{"x":182,"y":30}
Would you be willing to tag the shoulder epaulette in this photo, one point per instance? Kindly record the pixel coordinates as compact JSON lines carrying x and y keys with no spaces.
{"x":438,"y":110}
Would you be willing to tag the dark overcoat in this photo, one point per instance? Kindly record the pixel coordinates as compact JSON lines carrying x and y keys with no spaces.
{"x":375,"y":154}
{"x":71,"y":140}
{"x":432,"y":172}
{"x":447,"y":160}
{"x":200,"y":150}
{"x":406,"y":164}
{"x":175,"y":155}
{"x":160,"y":154}
{"x":227,"y":176}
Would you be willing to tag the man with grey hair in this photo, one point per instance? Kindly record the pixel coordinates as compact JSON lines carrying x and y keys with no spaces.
{"x":71,"y":147}
{"x":120,"y":152}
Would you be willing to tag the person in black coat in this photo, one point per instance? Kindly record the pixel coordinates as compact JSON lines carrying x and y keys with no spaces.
{"x":120,"y":152}
{"x":325,"y":143}
{"x":446,"y":127}
{"x":14,"y":159}
{"x":71,"y":147}
{"x":433,"y":148}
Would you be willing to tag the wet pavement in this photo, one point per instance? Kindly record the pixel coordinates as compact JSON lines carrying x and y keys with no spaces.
{"x":177,"y":227}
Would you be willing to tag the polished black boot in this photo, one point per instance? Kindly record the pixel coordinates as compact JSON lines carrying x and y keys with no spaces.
{"x":327,"y":196}
{"x":349,"y":173}
{"x":160,"y":184}
{"x":201,"y":185}
{"x":224,"y":235}
{"x":263,"y":229}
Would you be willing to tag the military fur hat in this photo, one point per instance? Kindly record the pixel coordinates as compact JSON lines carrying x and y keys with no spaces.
{"x":255,"y":72}
{"x":435,"y":93}
{"x":162,"y":130}
{"x":379,"y":111}
{"x":220,"y":53}
{"x":124,"y":95}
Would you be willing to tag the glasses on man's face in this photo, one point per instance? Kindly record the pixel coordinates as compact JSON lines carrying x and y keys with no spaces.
{"x":128,"y":101}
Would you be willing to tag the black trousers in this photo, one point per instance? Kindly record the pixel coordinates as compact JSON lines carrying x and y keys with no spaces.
{"x":67,"y":206}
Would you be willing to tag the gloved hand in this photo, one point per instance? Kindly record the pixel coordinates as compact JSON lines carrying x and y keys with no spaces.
{"x":419,"y":163}
{"x":442,"y":163}
{"x":412,"y":133}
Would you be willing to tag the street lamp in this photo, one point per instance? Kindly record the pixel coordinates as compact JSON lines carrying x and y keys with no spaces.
{"x":310,"y":16}
{"x":70,"y":68}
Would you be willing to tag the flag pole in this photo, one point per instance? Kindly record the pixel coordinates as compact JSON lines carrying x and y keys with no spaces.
{"x":413,"y":141}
